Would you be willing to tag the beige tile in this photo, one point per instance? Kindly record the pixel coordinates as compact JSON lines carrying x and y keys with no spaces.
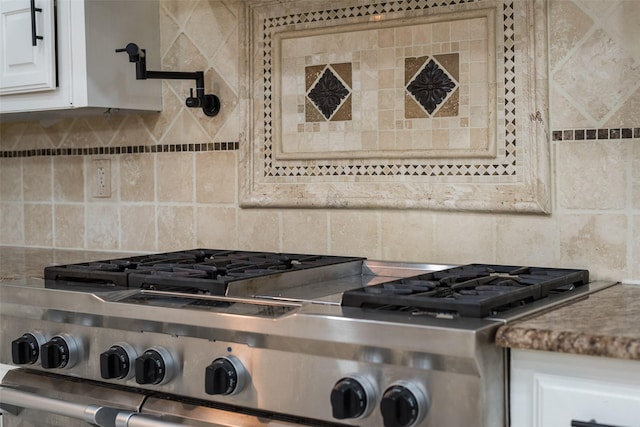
{"x":180,"y":10}
{"x":81,"y":135}
{"x":595,"y":242}
{"x":622,"y":24}
{"x":11,"y":223}
{"x":568,"y":24}
{"x":216,"y":178}
{"x":38,"y":225}
{"x":137,"y":177}
{"x":57,"y":130}
{"x":627,"y":113}
{"x":138,"y":228}
{"x":175,"y":175}
{"x":10,"y":134}
{"x":464,"y":238}
{"x":105,"y":127}
{"x":34,"y":137}
{"x":635,"y":248}
{"x":407,"y":235}
{"x":591,"y":175}
{"x":36,"y":178}
{"x":68,"y":178}
{"x":565,"y":115}
{"x":216,"y":228}
{"x":132,"y":132}
{"x":69,"y":226}
{"x":210,"y":21}
{"x":259,"y":230}
{"x":102,"y":226}
{"x":176,"y":228}
{"x":527,"y":240}
{"x":10,"y":179}
{"x":616,"y":73}
{"x":158,"y":123}
{"x":304,"y":231}
{"x":354,"y":232}
{"x":635,"y":176}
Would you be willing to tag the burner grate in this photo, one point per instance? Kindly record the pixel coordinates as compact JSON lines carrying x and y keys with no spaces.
{"x":474,"y":290}
{"x":203,"y":271}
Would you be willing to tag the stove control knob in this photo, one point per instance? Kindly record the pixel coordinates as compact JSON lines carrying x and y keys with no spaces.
{"x":403,"y":405}
{"x":116,"y":362}
{"x":226,"y":375}
{"x":352,"y":398}
{"x":154,"y":366}
{"x":61,"y":351}
{"x":26,"y":349}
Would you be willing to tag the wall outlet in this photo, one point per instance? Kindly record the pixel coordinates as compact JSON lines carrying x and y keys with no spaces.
{"x":101,"y":171}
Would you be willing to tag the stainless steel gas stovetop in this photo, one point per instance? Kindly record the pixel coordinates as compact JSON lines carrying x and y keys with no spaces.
{"x":236,"y":338}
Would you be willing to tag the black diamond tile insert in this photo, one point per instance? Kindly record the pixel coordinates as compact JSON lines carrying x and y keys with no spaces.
{"x":431,"y":86}
{"x":579,"y":134}
{"x":627,"y":133}
{"x":328,"y":93}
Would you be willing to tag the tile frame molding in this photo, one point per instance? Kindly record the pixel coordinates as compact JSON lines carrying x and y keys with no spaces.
{"x":399,"y":183}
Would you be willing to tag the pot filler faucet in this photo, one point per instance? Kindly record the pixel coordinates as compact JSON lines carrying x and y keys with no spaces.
{"x":209,"y":103}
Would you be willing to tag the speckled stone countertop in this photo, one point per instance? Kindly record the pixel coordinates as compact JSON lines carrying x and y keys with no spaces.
{"x":605,"y":324}
{"x":20,"y":262}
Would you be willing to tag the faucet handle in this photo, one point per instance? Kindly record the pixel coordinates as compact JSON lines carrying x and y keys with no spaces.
{"x":133,"y":51}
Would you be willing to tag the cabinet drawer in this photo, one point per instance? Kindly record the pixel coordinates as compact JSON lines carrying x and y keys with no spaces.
{"x":553,"y":389}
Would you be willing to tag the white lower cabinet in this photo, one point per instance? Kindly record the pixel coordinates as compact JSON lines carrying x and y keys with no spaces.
{"x":556,"y":389}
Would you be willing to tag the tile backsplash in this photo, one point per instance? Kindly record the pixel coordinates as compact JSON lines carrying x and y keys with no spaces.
{"x":175,"y":174}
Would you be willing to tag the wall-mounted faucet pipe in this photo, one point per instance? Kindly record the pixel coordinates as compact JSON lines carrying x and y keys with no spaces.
{"x":209,"y":103}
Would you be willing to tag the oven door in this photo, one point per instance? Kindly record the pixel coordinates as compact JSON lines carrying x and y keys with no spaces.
{"x":34,"y":399}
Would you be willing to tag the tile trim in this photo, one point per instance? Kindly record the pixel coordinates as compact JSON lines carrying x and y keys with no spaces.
{"x":591,"y":134}
{"x":128,"y":149}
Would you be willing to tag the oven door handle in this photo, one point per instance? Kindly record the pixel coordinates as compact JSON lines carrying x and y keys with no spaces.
{"x":13,"y":401}
{"x":135,"y":419}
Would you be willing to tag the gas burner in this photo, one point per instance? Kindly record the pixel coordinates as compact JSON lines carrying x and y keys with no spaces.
{"x":202,"y":271}
{"x":474,"y":290}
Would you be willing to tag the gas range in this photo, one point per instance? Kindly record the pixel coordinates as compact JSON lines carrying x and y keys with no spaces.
{"x":196,"y":337}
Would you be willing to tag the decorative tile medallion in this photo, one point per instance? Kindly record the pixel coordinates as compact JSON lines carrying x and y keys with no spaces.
{"x":440,"y":98}
{"x":431,"y":86}
{"x":328,"y":94}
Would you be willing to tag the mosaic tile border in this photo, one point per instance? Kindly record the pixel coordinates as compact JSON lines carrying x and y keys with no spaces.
{"x":592,"y":133}
{"x":517,"y":179}
{"x":506,"y":166}
{"x":128,"y":149}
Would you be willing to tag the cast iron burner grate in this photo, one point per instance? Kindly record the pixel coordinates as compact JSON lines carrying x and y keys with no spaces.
{"x":474,"y":290}
{"x":205,"y":271}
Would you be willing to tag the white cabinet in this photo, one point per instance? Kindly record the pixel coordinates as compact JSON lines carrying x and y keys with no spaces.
{"x":91,"y":76}
{"x":28,"y":44}
{"x":554,"y":389}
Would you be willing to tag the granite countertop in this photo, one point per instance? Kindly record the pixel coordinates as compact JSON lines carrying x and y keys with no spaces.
{"x":605,"y":324}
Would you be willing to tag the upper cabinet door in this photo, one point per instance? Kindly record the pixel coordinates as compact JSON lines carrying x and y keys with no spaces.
{"x":27,"y":46}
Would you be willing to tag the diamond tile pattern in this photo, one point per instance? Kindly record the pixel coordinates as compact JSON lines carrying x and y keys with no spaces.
{"x":328,"y":93}
{"x":502,"y":166}
{"x":431,"y":86}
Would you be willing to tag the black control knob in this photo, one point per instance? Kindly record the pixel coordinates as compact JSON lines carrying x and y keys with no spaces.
{"x":60,"y":351}
{"x":348,"y":399}
{"x":154,"y":366}
{"x":401,"y":407}
{"x":226,"y":375}
{"x":26,"y":349}
{"x":116,"y":361}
